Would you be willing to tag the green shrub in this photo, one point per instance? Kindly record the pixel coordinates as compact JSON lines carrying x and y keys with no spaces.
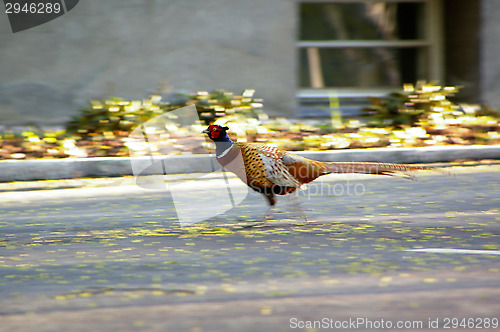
{"x":118,"y":117}
{"x":415,"y":105}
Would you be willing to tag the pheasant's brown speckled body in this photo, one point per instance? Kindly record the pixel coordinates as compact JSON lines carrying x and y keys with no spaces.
{"x":272,"y":171}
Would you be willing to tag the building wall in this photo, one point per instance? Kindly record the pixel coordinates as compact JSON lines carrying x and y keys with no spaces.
{"x":462,"y":47}
{"x":128,"y":48}
{"x":490,"y":53}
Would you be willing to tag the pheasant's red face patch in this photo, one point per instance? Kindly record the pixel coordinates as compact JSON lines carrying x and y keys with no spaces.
{"x":214,"y":131}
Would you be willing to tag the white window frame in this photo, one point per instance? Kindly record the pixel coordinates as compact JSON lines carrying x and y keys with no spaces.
{"x":432,"y":43}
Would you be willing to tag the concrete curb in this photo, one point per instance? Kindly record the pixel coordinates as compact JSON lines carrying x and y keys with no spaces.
{"x":53,"y":169}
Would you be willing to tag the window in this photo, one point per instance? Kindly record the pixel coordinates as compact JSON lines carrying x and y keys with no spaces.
{"x":367,"y":45}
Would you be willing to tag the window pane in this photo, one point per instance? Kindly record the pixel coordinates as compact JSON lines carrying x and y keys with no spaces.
{"x":361,"y":20}
{"x":360,"y":67}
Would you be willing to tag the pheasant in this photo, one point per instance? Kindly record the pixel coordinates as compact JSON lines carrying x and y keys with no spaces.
{"x":272,"y":171}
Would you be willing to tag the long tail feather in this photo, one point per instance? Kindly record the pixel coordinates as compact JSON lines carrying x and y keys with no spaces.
{"x":374,"y":168}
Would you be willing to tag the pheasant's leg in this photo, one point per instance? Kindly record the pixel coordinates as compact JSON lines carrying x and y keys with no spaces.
{"x":268,"y":215}
{"x":272,"y":202}
{"x":271,"y":199}
{"x":297,"y":205}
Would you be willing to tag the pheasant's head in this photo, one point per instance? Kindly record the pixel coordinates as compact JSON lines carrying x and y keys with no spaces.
{"x":217,"y":133}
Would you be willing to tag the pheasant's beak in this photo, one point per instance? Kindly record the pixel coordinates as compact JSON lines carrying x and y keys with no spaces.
{"x":205,"y":131}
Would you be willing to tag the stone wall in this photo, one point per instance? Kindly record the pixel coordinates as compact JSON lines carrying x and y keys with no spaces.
{"x":128,"y":48}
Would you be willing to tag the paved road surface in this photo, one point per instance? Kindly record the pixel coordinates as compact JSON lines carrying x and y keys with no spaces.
{"x":111,"y":256}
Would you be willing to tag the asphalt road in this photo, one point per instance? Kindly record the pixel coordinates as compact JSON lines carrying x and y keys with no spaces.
{"x":110,"y":256}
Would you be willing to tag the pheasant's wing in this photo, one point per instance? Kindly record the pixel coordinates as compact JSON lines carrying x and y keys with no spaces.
{"x":276,"y":170}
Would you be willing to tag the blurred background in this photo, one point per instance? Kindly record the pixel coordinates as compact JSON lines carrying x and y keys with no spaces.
{"x":296,"y":54}
{"x":420,"y":77}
